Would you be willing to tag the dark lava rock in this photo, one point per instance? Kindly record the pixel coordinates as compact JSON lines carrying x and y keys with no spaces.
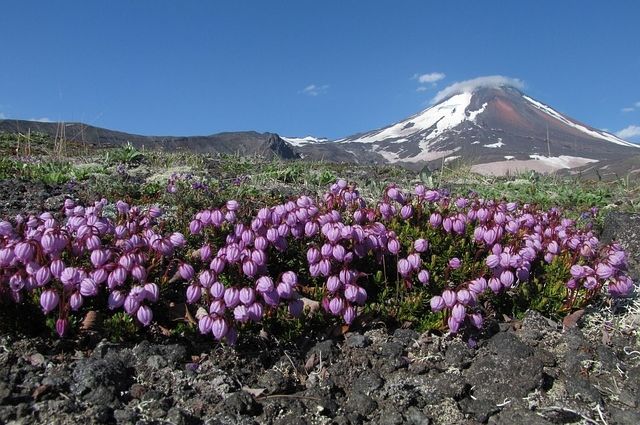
{"x":506,"y":370}
{"x":159,"y":356}
{"x":406,"y":336}
{"x":391,"y":350}
{"x":361,"y":404}
{"x":451,"y":385}
{"x":240,"y":403}
{"x":624,"y":417}
{"x":100,"y":381}
{"x":512,"y":416}
{"x":368,"y":382}
{"x":458,"y":355}
{"x":356,"y":340}
{"x":21,"y":196}
{"x":156,"y":362}
{"x":125,"y":416}
{"x":274,"y":382}
{"x":324,"y":350}
{"x":391,"y":417}
{"x":576,"y":364}
{"x":535,"y":328}
{"x":177,"y":416}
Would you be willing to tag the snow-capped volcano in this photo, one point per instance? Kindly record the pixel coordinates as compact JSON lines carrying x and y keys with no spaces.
{"x":493,"y":128}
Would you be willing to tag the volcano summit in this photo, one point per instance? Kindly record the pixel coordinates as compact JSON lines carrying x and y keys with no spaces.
{"x":495,"y":129}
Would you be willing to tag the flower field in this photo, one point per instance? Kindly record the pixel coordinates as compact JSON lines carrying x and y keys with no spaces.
{"x":440,"y":261}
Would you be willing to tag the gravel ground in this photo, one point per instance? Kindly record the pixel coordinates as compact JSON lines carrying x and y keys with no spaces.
{"x":527,"y":372}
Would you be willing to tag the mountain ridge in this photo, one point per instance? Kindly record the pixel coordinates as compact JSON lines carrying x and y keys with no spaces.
{"x":493,"y":129}
{"x":270,"y":145}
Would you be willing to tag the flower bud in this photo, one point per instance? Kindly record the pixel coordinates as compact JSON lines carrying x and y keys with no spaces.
{"x":449,"y":298}
{"x":437,"y":303}
{"x":423,"y":276}
{"x":240,"y":313}
{"x":43,"y":276}
{"x":313,"y":255}
{"x":464,"y":297}
{"x":349,"y":315}
{"x":247,"y":296}
{"x":453,"y":324}
{"x":249,"y":268}
{"x":88,"y":287}
{"x":219,"y":328}
{"x":406,"y":212}
{"x":152,"y":292}
{"x":478,"y":286}
{"x":435,"y":220}
{"x":62,"y":325}
{"x":24,"y":251}
{"x":231,"y":297}
{"x":455,"y":263}
{"x":476,"y":320}
{"x":495,"y":285}
{"x":49,"y":300}
{"x":404,"y":267}
{"x":421,"y":245}
{"x":458,"y":313}
{"x":194,"y":292}
{"x":336,"y":306}
{"x":186,"y":271}
{"x":217,"y":290}
{"x":264,"y":284}
{"x":195,"y":227}
{"x":115,"y":300}
{"x":204,"y":324}
{"x":75,"y":301}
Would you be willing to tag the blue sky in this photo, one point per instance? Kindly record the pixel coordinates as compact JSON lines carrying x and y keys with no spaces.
{"x":325,"y":68}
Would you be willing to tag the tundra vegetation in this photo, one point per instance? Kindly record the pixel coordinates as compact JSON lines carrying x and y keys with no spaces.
{"x":218,"y":246}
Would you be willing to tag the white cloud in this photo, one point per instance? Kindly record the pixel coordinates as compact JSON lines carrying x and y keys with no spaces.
{"x":429,"y":78}
{"x":422,"y":88}
{"x":2,"y":116}
{"x":628,"y":109}
{"x":629,"y":132}
{"x":314,"y":90}
{"x":469,"y":85}
{"x":637,"y":104}
{"x":43,"y":119}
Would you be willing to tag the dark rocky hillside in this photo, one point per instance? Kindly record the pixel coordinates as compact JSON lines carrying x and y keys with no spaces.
{"x":245,"y":143}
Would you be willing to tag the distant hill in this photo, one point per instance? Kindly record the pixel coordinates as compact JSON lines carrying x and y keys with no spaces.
{"x":244,"y":143}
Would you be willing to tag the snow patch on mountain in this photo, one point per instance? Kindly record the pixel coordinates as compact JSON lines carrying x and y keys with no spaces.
{"x":441,"y":117}
{"x":563,"y":161}
{"x":497,"y":144}
{"x":301,"y":141}
{"x":473,"y":115}
{"x":538,"y":163}
{"x":429,"y":156}
{"x":593,"y":133}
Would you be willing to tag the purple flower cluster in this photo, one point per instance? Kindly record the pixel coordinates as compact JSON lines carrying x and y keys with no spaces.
{"x":515,"y":238}
{"x":67,"y":262}
{"x":341,"y":240}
